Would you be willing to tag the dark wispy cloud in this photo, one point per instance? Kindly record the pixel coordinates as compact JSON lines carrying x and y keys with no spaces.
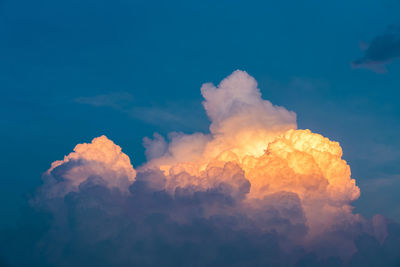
{"x":381,"y":50}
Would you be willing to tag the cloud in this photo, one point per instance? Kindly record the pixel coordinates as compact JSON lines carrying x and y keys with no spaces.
{"x":99,"y":162}
{"x":113,"y":100}
{"x":263,"y":141}
{"x":254,"y":191}
{"x":157,"y":116}
{"x":237,"y":103}
{"x":378,"y":183}
{"x":382,"y":50}
{"x":161,"y":116}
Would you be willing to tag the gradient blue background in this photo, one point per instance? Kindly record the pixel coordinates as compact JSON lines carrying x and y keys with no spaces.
{"x":73,"y":70}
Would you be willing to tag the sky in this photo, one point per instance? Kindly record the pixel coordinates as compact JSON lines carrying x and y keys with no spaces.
{"x":73,"y":70}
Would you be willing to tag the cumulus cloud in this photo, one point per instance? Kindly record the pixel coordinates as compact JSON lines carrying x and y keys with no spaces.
{"x":381,"y":50}
{"x":100,"y":161}
{"x":236,"y":104}
{"x":254,"y":191}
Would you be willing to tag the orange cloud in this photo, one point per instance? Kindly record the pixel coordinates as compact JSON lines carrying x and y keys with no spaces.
{"x":100,"y":159}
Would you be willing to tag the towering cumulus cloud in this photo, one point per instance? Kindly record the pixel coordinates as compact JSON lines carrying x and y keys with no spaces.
{"x":262,"y":140}
{"x":254,"y":191}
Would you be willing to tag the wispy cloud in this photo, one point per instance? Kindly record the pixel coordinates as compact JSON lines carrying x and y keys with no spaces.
{"x":169,"y":113}
{"x":378,"y":183}
{"x":382,"y":50}
{"x":114,"y":100}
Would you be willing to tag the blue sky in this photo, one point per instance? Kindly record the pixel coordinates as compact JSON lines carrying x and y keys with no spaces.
{"x":74,"y":70}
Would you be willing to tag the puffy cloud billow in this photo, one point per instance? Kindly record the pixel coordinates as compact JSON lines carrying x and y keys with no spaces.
{"x":254,"y":191}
